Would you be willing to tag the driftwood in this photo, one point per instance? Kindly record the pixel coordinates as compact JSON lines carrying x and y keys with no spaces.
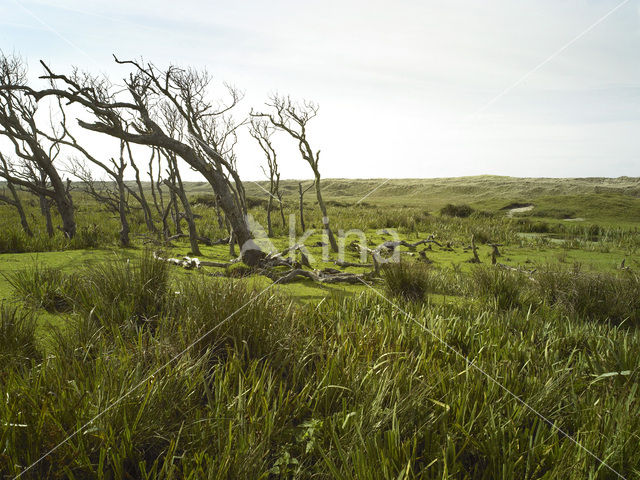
{"x":344,"y":264}
{"x":204,"y":240}
{"x":476,"y":258}
{"x":185,"y":262}
{"x":318,"y":276}
{"x":328,"y":275}
{"x":392,"y":245}
{"x":280,"y":258}
{"x":190,"y":263}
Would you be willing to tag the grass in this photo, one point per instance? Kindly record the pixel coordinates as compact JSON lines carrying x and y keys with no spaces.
{"x":409,"y":281}
{"x":17,"y":338}
{"x":307,"y":380}
{"x":350,"y":388}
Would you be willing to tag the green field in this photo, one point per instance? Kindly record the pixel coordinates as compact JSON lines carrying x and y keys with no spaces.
{"x":434,"y":367}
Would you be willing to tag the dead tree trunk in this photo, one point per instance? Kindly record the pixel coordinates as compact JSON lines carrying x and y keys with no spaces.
{"x":142,"y":199}
{"x":269,"y":205}
{"x":301,"y":193}
{"x":281,"y":204}
{"x":36,"y":148}
{"x":293,"y":119}
{"x":325,"y":215}
{"x":262,"y":132}
{"x":15,"y":199}
{"x":45,"y":210}
{"x":122,"y":210}
{"x":17,"y":203}
{"x":177,"y":189}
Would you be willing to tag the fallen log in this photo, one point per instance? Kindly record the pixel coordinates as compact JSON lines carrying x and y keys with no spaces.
{"x":392,"y":245}
{"x":328,"y":275}
{"x":205,"y":240}
{"x":344,"y":264}
{"x":192,"y":262}
{"x":318,"y":276}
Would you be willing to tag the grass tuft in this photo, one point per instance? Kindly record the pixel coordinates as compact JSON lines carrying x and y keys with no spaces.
{"x":411,"y":281}
{"x":17,"y":338}
{"x":41,"y":287}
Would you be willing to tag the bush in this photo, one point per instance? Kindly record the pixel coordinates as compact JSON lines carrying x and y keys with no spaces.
{"x":460,"y":211}
{"x":406,"y":280}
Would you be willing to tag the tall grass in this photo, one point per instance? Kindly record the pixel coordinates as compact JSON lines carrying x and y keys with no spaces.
{"x":41,"y":286}
{"x":502,"y":287}
{"x":346,"y":389}
{"x":592,"y":295}
{"x":18,"y":345}
{"x":411,"y":281}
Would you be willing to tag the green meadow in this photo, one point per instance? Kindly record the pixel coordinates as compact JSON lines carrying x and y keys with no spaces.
{"x":522,"y":365}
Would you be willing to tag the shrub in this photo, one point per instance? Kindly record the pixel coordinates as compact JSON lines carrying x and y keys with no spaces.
{"x":410,"y":281}
{"x":460,"y":211}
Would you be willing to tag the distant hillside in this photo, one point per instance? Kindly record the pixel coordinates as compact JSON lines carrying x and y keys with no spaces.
{"x":596,"y":198}
{"x":438,"y":191}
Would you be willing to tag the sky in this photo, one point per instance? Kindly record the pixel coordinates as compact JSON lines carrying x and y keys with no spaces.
{"x":406,"y":89}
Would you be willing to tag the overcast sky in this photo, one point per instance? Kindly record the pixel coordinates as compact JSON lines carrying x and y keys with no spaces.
{"x":406,"y":89}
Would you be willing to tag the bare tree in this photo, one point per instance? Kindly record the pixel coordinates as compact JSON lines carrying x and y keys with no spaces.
{"x":301,"y":193}
{"x":174,"y":124}
{"x":115,"y":200}
{"x":140,"y":196}
{"x":293,"y":118}
{"x":137,"y":121}
{"x":36,"y":148}
{"x":156,"y":181}
{"x":177,"y":188}
{"x":14,"y":200}
{"x":261,"y":131}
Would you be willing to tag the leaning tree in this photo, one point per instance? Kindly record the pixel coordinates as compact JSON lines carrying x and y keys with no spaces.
{"x":35,"y":146}
{"x":134,"y":116}
{"x":293,"y":118}
{"x":14,"y":200}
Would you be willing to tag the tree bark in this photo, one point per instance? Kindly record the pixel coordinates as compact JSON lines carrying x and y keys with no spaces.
{"x":284,"y":223}
{"x":325,"y":217}
{"x":269,"y":229}
{"x":301,"y":192}
{"x":122,"y":210}
{"x":46,"y":213}
{"x":178,"y":191}
{"x":17,"y":203}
